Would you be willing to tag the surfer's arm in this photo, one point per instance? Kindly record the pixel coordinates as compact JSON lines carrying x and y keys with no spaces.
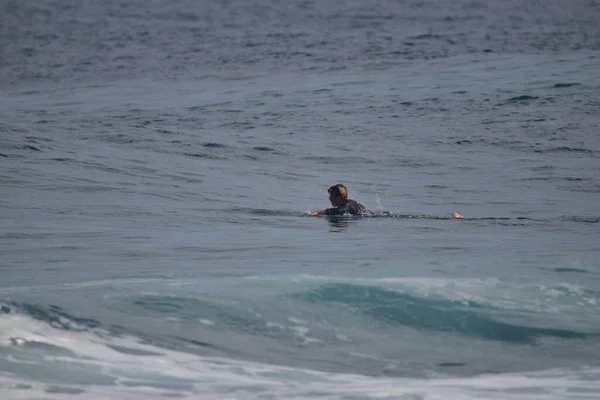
{"x":330,"y":211}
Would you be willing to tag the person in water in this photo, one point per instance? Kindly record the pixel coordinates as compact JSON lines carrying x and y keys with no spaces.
{"x":338,"y":196}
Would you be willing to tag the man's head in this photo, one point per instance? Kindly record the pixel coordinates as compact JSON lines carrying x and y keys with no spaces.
{"x":338,"y":194}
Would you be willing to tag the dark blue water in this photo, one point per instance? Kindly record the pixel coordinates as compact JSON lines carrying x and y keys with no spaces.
{"x":158,"y":159}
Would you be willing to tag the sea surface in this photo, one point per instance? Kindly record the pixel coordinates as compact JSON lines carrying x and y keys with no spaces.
{"x":158,"y":160}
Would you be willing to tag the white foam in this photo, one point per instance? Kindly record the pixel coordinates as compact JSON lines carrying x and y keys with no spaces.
{"x":164,"y":373}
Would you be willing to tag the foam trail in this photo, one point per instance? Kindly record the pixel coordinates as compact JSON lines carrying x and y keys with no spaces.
{"x":96,"y":365}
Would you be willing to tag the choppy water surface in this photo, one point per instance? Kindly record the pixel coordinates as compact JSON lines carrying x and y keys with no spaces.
{"x":157,"y":160}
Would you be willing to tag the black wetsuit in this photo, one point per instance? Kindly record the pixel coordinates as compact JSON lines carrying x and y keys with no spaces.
{"x":348,"y":207}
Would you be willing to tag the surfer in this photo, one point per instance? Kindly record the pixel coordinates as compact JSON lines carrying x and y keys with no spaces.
{"x":338,"y":196}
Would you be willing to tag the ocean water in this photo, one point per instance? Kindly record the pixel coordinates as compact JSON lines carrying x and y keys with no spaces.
{"x":158,"y":159}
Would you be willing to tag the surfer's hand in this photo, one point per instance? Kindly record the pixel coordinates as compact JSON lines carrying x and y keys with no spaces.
{"x":456,"y":215}
{"x":312,"y":214}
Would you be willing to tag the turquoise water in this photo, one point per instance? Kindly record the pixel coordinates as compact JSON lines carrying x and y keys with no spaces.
{"x":154,"y":236}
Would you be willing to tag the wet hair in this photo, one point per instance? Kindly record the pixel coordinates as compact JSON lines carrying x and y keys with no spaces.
{"x":339,"y":190}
